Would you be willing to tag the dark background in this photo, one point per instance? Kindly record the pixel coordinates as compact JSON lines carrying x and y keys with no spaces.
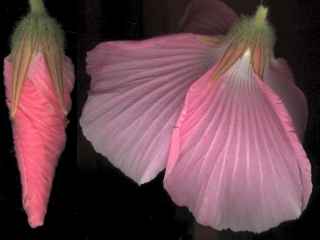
{"x":91,"y":199}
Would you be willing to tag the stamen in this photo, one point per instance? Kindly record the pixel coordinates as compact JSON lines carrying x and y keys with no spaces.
{"x":247,"y":53}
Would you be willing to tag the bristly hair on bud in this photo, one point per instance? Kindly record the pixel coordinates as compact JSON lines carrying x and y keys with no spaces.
{"x":37,"y":32}
{"x":250,"y":33}
{"x":254,"y":30}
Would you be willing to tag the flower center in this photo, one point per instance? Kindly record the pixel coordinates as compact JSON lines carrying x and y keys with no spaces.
{"x":252,"y":34}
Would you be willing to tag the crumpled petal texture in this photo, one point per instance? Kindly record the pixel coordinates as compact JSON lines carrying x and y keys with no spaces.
{"x":235,"y":158}
{"x":39,"y":133}
{"x":138,"y":87}
{"x":137,"y":91}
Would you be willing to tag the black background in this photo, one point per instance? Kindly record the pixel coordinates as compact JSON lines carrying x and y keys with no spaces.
{"x":91,"y":199}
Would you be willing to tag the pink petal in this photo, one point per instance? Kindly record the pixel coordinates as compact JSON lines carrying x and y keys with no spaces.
{"x":209,"y":17}
{"x":235,"y":160}
{"x":279,"y":77}
{"x":137,"y":91}
{"x":39,"y":134}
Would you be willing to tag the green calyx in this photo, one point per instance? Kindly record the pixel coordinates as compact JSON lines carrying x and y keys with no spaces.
{"x":251,"y":36}
{"x":37,"y":27}
{"x":37,"y":32}
{"x":254,"y":31}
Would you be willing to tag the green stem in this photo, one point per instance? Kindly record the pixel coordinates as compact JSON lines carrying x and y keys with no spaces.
{"x":261,"y":15}
{"x":37,"y":6}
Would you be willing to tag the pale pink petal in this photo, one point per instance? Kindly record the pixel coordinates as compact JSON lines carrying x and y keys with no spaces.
{"x":209,"y":17}
{"x":137,"y":91}
{"x":279,"y":77}
{"x":39,"y":133}
{"x":235,"y":160}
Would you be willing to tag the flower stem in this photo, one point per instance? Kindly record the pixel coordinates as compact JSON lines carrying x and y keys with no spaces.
{"x":261,"y":15}
{"x":37,"y":6}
